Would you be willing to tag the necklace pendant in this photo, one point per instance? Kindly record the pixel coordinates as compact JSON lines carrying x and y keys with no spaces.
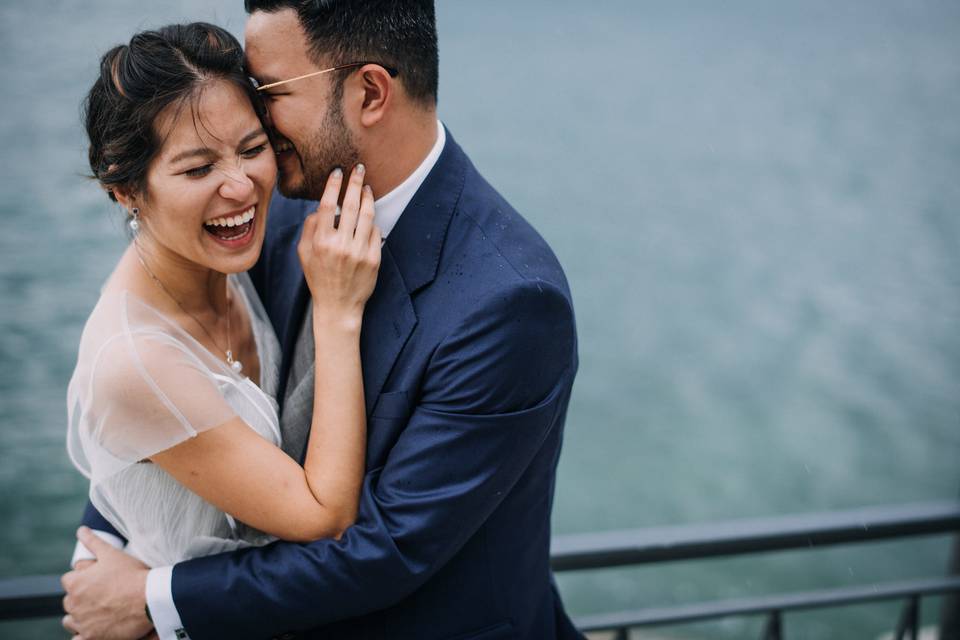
{"x":236,"y":365}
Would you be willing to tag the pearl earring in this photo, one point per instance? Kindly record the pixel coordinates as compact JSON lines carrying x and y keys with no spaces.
{"x":134,"y":220}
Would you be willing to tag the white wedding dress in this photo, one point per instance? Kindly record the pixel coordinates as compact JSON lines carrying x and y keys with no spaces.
{"x":142,"y":385}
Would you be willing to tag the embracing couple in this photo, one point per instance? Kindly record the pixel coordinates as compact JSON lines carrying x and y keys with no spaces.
{"x":332,"y":412}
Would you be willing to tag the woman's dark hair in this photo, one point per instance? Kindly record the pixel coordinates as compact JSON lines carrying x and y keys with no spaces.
{"x":138,"y":81}
{"x":401,"y":34}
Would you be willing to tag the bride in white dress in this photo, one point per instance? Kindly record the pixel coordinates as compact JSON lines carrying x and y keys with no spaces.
{"x":142,"y":385}
{"x":171,"y":408}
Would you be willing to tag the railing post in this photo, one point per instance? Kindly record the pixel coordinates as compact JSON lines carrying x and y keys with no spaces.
{"x":774,"y":627}
{"x":950,"y":605}
{"x":909,"y":619}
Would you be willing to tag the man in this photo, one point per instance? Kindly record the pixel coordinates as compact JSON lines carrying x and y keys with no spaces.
{"x":469,"y":355}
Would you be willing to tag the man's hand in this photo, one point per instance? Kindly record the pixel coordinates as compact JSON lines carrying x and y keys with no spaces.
{"x":106,"y":599}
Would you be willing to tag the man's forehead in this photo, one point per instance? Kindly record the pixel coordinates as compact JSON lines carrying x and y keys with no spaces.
{"x":273,"y":35}
{"x":270,"y":22}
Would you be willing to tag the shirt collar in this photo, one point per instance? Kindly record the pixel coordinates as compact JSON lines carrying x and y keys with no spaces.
{"x":391,"y":205}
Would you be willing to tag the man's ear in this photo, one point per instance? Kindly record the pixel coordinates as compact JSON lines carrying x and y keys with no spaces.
{"x":377,"y":93}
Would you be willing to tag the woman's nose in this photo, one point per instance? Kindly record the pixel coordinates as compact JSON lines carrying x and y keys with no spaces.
{"x":236,"y":184}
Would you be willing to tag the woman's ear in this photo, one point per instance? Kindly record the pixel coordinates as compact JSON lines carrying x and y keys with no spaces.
{"x":124,"y":197}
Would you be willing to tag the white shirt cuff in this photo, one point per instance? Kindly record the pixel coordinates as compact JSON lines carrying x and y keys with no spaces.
{"x":80,"y":552}
{"x":166,"y":618}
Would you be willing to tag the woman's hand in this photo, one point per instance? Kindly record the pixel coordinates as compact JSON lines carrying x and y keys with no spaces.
{"x":341,"y":265}
{"x":341,"y":262}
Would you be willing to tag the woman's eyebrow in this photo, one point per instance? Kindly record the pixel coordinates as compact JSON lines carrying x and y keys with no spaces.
{"x":250,"y":136}
{"x":206,"y":152}
{"x":191,"y":153}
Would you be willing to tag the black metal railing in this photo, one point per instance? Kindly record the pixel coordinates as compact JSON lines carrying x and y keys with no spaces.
{"x":725,"y":539}
{"x":40,"y":596}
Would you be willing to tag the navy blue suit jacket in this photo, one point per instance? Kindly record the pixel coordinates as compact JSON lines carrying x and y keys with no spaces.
{"x":469,"y":353}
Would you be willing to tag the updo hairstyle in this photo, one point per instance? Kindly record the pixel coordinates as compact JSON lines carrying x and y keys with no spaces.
{"x":170,"y":65}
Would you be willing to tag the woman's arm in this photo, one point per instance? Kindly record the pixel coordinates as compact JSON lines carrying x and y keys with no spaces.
{"x":233,"y":467}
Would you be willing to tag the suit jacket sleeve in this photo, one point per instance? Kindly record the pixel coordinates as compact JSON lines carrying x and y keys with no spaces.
{"x":92,"y":518}
{"x":491,"y":394}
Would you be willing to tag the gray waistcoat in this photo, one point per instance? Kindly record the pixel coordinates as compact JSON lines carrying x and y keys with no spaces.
{"x":297,"y":407}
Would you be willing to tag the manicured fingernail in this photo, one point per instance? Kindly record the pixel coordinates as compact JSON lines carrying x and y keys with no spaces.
{"x":337,"y":173}
{"x":361,"y":169}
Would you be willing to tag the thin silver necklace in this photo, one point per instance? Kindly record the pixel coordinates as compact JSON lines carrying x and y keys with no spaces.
{"x":236,"y":365}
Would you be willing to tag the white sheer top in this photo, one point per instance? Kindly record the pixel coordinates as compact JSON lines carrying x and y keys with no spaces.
{"x":142,"y":385}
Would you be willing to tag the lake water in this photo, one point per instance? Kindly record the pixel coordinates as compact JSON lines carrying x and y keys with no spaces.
{"x":758,"y":207}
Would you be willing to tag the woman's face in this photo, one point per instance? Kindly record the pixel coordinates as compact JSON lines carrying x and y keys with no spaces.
{"x":208,"y":190}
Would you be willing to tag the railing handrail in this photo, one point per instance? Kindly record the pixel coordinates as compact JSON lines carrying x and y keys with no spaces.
{"x":797,"y":601}
{"x":735,"y":537}
{"x":30,"y":597}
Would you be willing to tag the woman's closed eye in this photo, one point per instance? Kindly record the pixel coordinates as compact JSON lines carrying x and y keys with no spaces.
{"x":247,"y":154}
{"x":253,"y":152}
{"x":199,"y":172}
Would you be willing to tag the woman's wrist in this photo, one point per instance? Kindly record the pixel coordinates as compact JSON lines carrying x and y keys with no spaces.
{"x":341,"y":323}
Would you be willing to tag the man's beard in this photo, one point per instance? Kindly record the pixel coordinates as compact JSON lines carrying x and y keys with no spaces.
{"x":330,"y":147}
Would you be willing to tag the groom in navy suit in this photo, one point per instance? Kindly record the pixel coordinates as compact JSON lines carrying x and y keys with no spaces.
{"x":469,"y":353}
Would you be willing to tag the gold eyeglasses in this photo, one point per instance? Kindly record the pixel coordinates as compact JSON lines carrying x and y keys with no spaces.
{"x":393,"y":74}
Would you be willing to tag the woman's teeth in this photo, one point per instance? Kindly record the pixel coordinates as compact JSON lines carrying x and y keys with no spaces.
{"x":231,"y":227}
{"x":232,"y":221}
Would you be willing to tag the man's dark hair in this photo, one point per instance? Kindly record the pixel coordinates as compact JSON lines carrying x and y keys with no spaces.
{"x":401,"y":34}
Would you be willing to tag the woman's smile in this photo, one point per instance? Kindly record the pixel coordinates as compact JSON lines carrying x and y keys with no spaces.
{"x":234,"y":230}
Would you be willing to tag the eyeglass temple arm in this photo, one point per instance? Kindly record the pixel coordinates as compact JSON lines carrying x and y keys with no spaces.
{"x":393,"y":73}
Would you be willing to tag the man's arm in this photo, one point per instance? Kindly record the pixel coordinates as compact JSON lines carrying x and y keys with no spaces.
{"x":93,"y":520}
{"x":492,"y":392}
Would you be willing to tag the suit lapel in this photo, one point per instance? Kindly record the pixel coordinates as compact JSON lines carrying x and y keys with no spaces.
{"x":409,"y":262}
{"x":388,"y":321}
{"x":417,"y":239}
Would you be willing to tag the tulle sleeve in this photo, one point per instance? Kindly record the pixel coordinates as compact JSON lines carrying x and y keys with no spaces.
{"x":141,"y":386}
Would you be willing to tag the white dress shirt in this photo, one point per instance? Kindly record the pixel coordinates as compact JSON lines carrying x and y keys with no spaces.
{"x":166,"y":618}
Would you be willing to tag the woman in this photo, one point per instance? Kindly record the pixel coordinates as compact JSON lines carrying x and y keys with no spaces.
{"x":171,"y":412}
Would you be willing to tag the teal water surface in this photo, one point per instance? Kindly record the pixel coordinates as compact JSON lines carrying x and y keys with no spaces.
{"x":758,"y":208}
